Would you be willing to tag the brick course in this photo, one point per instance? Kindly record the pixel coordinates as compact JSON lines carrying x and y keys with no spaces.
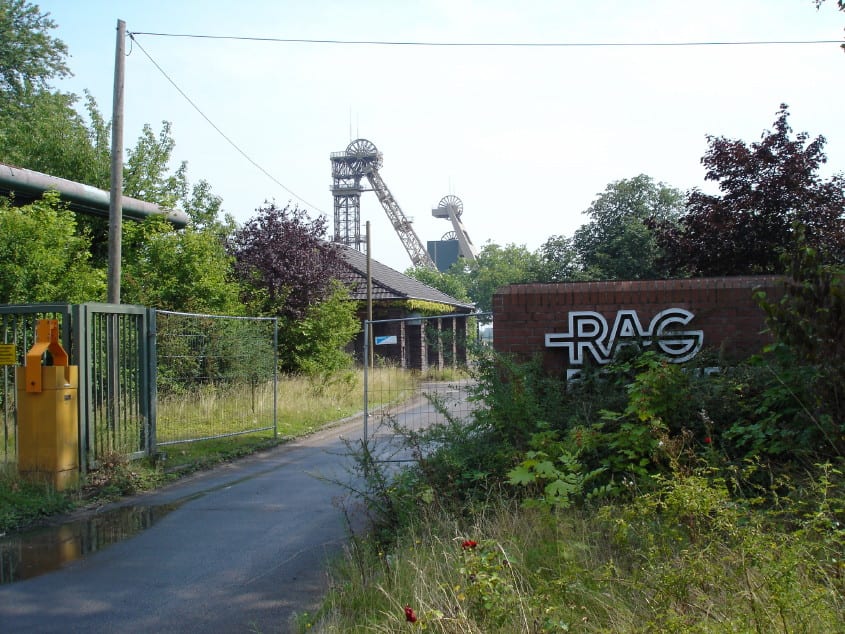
{"x":724,"y":310}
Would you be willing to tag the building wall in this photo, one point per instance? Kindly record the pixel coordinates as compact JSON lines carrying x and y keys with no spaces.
{"x":412,"y":349}
{"x":571,"y":324}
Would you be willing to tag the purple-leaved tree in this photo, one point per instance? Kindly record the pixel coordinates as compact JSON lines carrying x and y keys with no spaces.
{"x":283,"y":261}
{"x":768,"y":189}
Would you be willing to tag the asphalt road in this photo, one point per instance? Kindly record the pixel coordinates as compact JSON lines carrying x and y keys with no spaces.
{"x":245,"y":548}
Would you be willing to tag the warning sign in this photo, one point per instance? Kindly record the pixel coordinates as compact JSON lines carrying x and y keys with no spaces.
{"x":8,"y":354}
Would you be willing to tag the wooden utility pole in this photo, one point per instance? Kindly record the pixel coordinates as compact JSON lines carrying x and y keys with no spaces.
{"x":116,"y":191}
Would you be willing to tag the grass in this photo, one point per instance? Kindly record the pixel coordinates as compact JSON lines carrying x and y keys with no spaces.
{"x":304,"y":406}
{"x":23,"y":502}
{"x":685,"y":558}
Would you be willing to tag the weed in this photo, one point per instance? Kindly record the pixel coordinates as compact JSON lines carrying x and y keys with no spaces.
{"x":23,"y":502}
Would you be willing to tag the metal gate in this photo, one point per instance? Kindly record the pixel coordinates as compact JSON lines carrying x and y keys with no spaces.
{"x":432,"y":357}
{"x":113,"y":345}
{"x":116,"y":357}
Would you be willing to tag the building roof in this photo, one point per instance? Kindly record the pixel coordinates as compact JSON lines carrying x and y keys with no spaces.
{"x":389,"y":284}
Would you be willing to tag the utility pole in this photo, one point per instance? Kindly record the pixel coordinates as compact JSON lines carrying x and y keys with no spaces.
{"x":115,"y":237}
{"x":116,"y":191}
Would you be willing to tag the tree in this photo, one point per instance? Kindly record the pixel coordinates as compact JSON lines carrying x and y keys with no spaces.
{"x":618,"y":243}
{"x":283,"y":261}
{"x":42,"y":256}
{"x":447,"y":282}
{"x":147,"y":176}
{"x":496,"y":266}
{"x":558,"y":261}
{"x":45,"y":133}
{"x":768,"y":188}
{"x":185,"y":270}
{"x":322,"y":335}
{"x":29,"y":55}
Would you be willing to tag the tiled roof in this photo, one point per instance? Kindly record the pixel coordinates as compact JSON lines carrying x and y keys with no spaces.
{"x":391,"y":284}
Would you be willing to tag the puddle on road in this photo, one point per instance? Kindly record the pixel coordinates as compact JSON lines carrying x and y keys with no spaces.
{"x":37,"y":552}
{"x":27,"y":555}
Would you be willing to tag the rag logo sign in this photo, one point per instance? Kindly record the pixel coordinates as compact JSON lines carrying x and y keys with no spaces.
{"x":590,"y":334}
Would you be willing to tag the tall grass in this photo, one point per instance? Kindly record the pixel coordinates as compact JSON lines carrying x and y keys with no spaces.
{"x":684,"y":558}
{"x":304,"y":405}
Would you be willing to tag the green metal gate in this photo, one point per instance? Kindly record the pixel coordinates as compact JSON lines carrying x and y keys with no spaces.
{"x":116,"y":356}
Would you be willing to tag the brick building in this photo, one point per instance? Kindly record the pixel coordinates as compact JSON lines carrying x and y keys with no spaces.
{"x":408,"y":316}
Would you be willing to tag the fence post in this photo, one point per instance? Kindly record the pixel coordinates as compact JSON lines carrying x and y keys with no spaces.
{"x":366,"y":378}
{"x":152,"y":381}
{"x":275,"y":377}
{"x":79,"y":356}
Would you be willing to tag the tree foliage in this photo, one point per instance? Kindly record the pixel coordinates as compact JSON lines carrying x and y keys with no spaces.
{"x":147,"y":176}
{"x":767,"y":189}
{"x":558,"y":260}
{"x":283,"y":261}
{"x":617,"y":243}
{"x":45,"y":133}
{"x":42,"y":256}
{"x":321,"y":336}
{"x":839,"y":3}
{"x":445,"y":282}
{"x":29,"y":55}
{"x":185,"y":270}
{"x":495,"y":266}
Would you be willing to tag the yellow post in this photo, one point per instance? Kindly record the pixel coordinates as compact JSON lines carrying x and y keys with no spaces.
{"x":48,"y":427}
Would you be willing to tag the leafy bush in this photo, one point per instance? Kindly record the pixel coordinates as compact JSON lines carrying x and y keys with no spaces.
{"x":808,"y":324}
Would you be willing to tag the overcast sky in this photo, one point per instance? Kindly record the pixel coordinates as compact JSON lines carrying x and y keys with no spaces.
{"x":525,"y":136}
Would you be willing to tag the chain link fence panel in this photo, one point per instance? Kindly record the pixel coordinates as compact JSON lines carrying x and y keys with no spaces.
{"x":217,"y":376}
{"x":437,"y":384}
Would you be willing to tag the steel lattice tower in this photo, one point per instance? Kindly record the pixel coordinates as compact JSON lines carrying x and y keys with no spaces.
{"x":362,"y":159}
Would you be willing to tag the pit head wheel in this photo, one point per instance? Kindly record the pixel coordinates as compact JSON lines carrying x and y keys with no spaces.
{"x":452,"y":201}
{"x":450,"y":235}
{"x":365,"y":155}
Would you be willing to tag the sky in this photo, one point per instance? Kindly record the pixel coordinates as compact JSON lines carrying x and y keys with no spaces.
{"x":526,"y":137}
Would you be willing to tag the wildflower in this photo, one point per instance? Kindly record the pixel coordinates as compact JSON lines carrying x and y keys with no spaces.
{"x":707,"y":440}
{"x":410,"y":616}
{"x":469,"y":544}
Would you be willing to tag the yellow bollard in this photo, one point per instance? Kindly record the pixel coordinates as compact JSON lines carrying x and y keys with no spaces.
{"x":48,"y":415}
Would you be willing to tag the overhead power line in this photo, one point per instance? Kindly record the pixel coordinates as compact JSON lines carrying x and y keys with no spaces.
{"x":218,"y":130}
{"x":284,"y":40}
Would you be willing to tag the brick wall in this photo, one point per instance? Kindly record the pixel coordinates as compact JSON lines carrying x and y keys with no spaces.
{"x":592,"y":319}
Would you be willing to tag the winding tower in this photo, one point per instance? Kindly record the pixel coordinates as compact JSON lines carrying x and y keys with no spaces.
{"x":451,"y":208}
{"x":360,"y":160}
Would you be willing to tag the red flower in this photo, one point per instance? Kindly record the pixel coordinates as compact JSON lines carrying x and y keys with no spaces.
{"x":409,"y":614}
{"x":707,"y":440}
{"x":469,"y":544}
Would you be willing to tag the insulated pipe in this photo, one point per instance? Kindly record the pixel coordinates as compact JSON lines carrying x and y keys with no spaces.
{"x":82,"y":198}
